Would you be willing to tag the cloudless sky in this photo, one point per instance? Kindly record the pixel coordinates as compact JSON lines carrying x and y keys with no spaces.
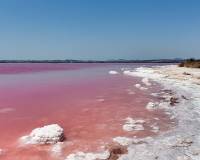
{"x":99,"y":29}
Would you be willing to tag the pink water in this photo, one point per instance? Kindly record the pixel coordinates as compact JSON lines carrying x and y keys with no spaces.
{"x":84,"y":99}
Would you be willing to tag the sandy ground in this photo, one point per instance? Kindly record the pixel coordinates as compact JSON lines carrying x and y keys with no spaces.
{"x":181,"y":100}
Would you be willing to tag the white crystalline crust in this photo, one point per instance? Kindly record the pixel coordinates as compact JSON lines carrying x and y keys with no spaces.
{"x":183,"y":141}
{"x":152,"y":106}
{"x":133,"y":125}
{"x":89,"y":156}
{"x":49,"y":134}
{"x":139,"y":86}
{"x":56,"y":149}
{"x":146,"y":81}
{"x":124,"y":141}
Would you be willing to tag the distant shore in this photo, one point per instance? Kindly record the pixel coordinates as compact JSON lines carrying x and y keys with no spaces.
{"x":95,"y":61}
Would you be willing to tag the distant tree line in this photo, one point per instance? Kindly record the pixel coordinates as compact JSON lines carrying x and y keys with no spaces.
{"x":191,"y":63}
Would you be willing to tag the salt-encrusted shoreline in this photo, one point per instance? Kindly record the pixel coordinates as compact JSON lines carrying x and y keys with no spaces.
{"x":182,"y":142}
{"x":181,"y":100}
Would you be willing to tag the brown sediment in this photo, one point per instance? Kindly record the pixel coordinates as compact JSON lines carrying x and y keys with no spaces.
{"x":173,"y":101}
{"x":116,"y":151}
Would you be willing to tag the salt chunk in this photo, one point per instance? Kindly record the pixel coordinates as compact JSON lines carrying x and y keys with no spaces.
{"x":49,"y":134}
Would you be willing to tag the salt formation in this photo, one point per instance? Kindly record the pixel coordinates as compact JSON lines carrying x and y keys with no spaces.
{"x":133,"y":125}
{"x":182,"y":142}
{"x":137,"y":85}
{"x":89,"y":156}
{"x":113,"y":72}
{"x":152,"y":106}
{"x":49,"y":134}
{"x":124,"y":141}
{"x":154,"y":128}
{"x":56,"y":149}
{"x":140,"y":87}
{"x":146,"y":81}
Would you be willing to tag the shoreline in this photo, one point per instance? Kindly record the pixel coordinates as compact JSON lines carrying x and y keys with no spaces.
{"x":182,"y":142}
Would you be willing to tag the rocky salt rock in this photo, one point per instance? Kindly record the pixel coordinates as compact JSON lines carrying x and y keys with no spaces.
{"x":49,"y":134}
{"x":113,"y":72}
{"x":133,"y":125}
{"x":146,"y":81}
{"x":89,"y":156}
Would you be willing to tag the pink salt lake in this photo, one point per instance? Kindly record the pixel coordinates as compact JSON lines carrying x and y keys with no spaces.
{"x":87,"y":102}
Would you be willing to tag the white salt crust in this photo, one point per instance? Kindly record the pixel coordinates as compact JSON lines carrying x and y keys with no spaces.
{"x":183,"y":141}
{"x":133,"y":124}
{"x":88,"y":156}
{"x":139,"y":86}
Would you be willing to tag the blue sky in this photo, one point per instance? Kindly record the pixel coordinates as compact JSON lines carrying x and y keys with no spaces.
{"x":99,"y":29}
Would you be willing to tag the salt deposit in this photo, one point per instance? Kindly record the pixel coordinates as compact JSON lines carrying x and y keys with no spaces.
{"x":49,"y":134}
{"x":146,"y":81}
{"x":152,"y":106}
{"x":113,"y":72}
{"x":182,"y":142}
{"x":56,"y":149}
{"x":124,"y":141}
{"x":137,"y":85}
{"x":140,"y":87}
{"x":155,"y":128}
{"x":89,"y":156}
{"x":133,"y":125}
